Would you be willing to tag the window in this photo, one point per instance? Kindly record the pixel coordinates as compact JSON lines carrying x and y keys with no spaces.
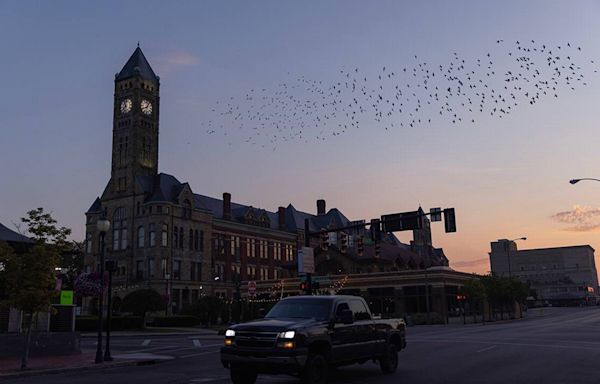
{"x":177,"y":269}
{"x":119,"y":229}
{"x":196,"y":239}
{"x":159,"y":209}
{"x":187,"y":209}
{"x":262,"y":249}
{"x":152,"y":235}
{"x":164,"y":238}
{"x":151,"y":267}
{"x":139,"y":270}
{"x":140,"y":237}
{"x":191,"y":239}
{"x":264,"y":273}
{"x":251,"y":247}
{"x":163,"y":267}
{"x":277,"y":251}
{"x":251,"y":271}
{"x":201,"y":240}
{"x":175,"y":236}
{"x":88,"y":243}
{"x":181,"y":237}
{"x":359,"y":311}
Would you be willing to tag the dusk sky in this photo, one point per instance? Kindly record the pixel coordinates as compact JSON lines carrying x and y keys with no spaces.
{"x":506,"y":176}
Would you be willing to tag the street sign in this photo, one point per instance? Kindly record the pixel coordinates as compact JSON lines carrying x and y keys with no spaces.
{"x":404,"y":221}
{"x":66,"y":297}
{"x":308,"y":260}
{"x":252,"y":288}
{"x":435,"y":214}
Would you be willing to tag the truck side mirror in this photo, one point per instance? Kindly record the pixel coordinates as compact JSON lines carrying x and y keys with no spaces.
{"x":346,"y":317}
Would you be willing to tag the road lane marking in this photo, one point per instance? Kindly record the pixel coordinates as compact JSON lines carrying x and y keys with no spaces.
{"x":487,"y":349}
{"x":196,"y":343}
{"x":500,"y":343}
{"x":146,"y":342}
{"x":198,"y":354}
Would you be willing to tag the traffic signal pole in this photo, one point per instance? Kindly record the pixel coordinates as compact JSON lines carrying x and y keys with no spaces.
{"x":307,"y":244}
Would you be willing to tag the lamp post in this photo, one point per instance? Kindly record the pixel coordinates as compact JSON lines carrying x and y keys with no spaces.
{"x":111,"y":266}
{"x":168,"y":294}
{"x":575,"y":181}
{"x":508,"y":253}
{"x":103,"y":226}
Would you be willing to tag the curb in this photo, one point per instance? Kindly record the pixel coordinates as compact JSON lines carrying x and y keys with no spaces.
{"x":50,"y":371}
{"x":157,"y":334}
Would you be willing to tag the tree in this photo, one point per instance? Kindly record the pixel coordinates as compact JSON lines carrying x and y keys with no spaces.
{"x":474,"y":290}
{"x":143,"y":300}
{"x":29,"y":279}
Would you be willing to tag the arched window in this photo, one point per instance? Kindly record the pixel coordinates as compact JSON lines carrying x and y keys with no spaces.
{"x":164,"y":238}
{"x":152,"y":234}
{"x":119,"y":225}
{"x":140,"y":237}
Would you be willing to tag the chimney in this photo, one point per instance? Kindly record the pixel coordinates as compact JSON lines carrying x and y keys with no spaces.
{"x":281,"y":218}
{"x":320,"y":207}
{"x":226,"y":205}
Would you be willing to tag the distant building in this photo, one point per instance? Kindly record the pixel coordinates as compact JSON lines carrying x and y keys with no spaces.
{"x":561,"y":275}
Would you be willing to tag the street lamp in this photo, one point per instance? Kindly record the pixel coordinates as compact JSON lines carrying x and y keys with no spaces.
{"x":111,"y":266}
{"x":168,"y":294}
{"x":508,"y":252}
{"x":575,"y":181}
{"x":103,"y":226}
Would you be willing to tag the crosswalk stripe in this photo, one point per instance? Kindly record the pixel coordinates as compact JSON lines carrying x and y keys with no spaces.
{"x":146,"y":342}
{"x":196,"y":343}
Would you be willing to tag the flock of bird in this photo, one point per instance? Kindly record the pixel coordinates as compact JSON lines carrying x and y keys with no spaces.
{"x":402,"y":97}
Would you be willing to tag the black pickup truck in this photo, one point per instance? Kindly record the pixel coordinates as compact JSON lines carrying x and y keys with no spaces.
{"x":306,"y":335}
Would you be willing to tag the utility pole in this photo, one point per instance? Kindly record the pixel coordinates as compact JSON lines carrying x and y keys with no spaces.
{"x":307,"y":244}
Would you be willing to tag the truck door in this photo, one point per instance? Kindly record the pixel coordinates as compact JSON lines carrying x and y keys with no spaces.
{"x":366,"y":334}
{"x":343,"y":337}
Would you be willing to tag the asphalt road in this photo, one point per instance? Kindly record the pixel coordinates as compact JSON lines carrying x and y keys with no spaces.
{"x":556,"y":345}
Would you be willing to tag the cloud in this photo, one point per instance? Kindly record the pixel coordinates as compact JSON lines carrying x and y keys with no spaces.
{"x":175,"y":60}
{"x":583,"y":219}
{"x":471,"y":263}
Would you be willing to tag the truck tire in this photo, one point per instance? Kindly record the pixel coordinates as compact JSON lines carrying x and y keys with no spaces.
{"x":242,"y":376}
{"x":389,"y":361}
{"x":316,"y":370}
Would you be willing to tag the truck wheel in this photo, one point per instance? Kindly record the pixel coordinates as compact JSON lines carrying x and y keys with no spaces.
{"x":242,"y":376}
{"x":389,"y":361}
{"x":316,"y":370}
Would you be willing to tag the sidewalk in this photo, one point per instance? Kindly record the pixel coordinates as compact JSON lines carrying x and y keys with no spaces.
{"x":159,"y":331}
{"x":40,"y":365}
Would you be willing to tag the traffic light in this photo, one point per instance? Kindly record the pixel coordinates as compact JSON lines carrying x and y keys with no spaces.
{"x":377,"y":249}
{"x":360,"y":246}
{"x":343,"y":242}
{"x":449,"y":220}
{"x":375,"y":230}
{"x":324,"y":241}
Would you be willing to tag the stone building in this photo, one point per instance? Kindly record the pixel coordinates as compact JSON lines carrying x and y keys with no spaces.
{"x":165,"y":236}
{"x":560,"y":275}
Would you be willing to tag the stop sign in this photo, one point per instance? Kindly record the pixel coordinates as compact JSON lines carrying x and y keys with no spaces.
{"x":252,"y":288}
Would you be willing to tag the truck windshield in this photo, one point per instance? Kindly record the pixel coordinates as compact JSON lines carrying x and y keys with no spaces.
{"x":301,"y":309}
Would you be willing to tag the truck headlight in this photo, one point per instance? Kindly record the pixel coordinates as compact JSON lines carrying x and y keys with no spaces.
{"x":230,"y":333}
{"x":287,"y":335}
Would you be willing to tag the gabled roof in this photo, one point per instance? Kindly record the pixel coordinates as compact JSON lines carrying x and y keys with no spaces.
{"x":9,"y":235}
{"x":137,"y":65}
{"x":96,"y":206}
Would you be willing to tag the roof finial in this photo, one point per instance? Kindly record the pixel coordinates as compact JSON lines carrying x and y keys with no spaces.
{"x":138,"y":43}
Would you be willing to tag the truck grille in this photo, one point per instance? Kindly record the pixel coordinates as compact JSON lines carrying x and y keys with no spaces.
{"x":255,"y":339}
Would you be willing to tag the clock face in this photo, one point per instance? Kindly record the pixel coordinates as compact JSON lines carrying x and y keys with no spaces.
{"x":126,"y":106}
{"x":146,"y":107}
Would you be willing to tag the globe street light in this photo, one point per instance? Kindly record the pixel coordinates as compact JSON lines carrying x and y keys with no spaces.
{"x":102,"y":225}
{"x":575,"y":181}
{"x":508,"y":252}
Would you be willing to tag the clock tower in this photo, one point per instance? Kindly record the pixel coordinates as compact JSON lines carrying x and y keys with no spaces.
{"x":135,"y":124}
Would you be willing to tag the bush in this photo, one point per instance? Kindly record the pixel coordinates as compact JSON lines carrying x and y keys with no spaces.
{"x":175,"y":321}
{"x":117,"y":323}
